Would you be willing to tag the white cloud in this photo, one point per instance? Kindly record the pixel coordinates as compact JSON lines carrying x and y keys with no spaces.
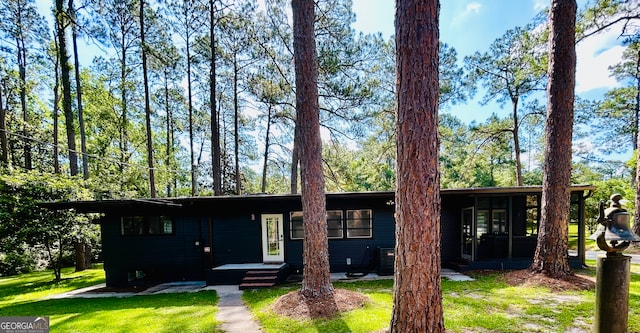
{"x":472,"y":8}
{"x":539,"y":5}
{"x":595,"y":54}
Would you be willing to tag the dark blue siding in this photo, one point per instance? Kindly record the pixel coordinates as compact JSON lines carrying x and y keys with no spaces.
{"x":166,"y":257}
{"x":237,"y":239}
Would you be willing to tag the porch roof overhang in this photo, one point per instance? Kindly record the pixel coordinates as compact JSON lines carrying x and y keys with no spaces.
{"x":514,"y":190}
{"x":105,"y":206}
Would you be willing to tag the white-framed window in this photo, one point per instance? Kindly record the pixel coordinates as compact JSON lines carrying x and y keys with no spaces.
{"x":499,"y":221}
{"x":359,"y":223}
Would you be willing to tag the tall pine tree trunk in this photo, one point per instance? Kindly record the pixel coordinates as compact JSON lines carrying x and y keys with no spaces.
{"x":236,"y":127}
{"x":516,"y":143}
{"x":265,"y":161}
{"x":147,"y":105}
{"x":550,"y":257}
{"x":417,"y":294}
{"x":61,"y":24}
{"x":317,"y":279}
{"x":22,"y":72}
{"x":169,"y":131}
{"x":295,"y":158}
{"x":216,"y":168}
{"x":4,"y":143}
{"x":190,"y":96}
{"x":83,"y":137}
{"x":56,"y":110}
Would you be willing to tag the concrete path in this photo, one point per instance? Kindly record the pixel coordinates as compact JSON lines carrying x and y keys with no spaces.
{"x":232,"y":311}
{"x":635,"y":258}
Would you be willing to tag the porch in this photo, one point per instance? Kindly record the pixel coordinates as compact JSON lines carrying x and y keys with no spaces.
{"x":249,"y":274}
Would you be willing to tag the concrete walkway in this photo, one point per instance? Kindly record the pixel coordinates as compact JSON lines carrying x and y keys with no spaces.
{"x":232,"y":311}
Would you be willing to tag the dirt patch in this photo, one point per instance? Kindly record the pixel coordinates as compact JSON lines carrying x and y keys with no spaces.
{"x":296,"y":305}
{"x":570,"y":283}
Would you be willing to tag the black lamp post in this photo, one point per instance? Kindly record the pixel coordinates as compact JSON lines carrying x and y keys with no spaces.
{"x":613,"y":270}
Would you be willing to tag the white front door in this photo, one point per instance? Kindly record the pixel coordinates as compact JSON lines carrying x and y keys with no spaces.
{"x":272,"y":238}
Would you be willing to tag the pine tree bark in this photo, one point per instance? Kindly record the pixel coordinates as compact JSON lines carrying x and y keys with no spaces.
{"x":551,"y":251}
{"x":317,"y":279}
{"x":83,"y":137}
{"x":216,"y":167}
{"x":295,"y":158}
{"x":56,"y":110}
{"x":4,"y":143}
{"x":147,"y":106}
{"x":267,"y":144}
{"x":61,"y":25}
{"x":417,"y":295}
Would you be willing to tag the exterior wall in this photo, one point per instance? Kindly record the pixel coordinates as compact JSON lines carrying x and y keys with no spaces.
{"x":236,"y":239}
{"x":158,"y":257}
{"x":363,"y":252}
{"x":210,"y":232}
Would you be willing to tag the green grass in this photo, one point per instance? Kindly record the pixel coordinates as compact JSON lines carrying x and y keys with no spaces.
{"x":26,"y":295}
{"x":372,"y":317}
{"x":485,"y":305}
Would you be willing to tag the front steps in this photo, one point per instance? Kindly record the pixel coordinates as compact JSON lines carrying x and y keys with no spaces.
{"x":250,"y":275}
{"x":259,"y":279}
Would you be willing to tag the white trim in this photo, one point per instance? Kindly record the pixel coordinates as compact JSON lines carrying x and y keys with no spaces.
{"x":272,"y":240}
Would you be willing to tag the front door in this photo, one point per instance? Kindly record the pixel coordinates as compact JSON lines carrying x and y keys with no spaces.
{"x":467,"y":233}
{"x":272,"y":238}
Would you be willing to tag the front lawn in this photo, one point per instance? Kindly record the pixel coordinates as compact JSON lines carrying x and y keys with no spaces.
{"x":26,"y":295}
{"x":487,"y":304}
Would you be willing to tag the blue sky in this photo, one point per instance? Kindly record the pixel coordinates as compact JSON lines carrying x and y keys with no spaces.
{"x":472,"y":25}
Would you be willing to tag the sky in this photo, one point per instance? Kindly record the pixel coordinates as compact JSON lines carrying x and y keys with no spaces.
{"x":470,"y":26}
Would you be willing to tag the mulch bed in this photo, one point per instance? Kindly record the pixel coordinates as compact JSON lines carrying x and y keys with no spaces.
{"x":297,"y":306}
{"x":569,"y":283}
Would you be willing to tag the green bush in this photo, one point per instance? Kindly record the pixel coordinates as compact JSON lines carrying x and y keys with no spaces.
{"x":14,"y":263}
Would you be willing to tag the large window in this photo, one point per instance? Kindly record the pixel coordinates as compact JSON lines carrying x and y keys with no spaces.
{"x":358,"y":224}
{"x":334,"y":225}
{"x":146,"y":225}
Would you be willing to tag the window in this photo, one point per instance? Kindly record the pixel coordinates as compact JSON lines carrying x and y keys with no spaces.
{"x":499,"y":221}
{"x":334,"y":225}
{"x":359,"y":223}
{"x":146,"y":225}
{"x":533,"y":216}
{"x":297,"y":227}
